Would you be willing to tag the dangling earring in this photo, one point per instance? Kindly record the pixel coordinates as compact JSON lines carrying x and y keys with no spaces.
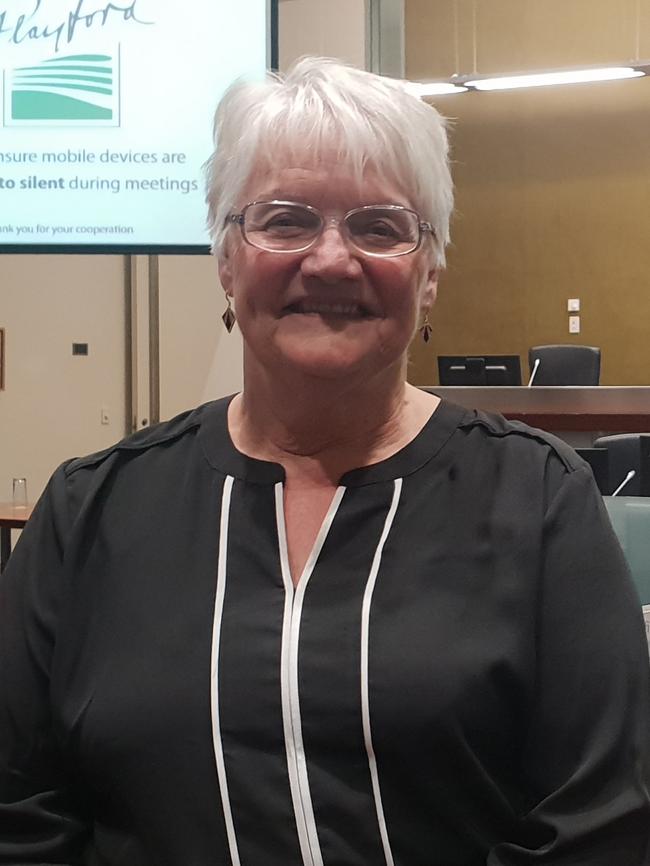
{"x":229,"y":317}
{"x":425,"y":328}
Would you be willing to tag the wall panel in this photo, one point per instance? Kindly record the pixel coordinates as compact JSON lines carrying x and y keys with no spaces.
{"x":552,"y":187}
{"x":51,"y":407}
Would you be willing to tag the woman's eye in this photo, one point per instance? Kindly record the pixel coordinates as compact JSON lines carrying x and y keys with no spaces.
{"x":381,"y":230}
{"x":284,"y":220}
{"x":287,"y":222}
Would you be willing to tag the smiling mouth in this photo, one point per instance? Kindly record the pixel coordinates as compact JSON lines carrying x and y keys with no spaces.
{"x":349,"y":310}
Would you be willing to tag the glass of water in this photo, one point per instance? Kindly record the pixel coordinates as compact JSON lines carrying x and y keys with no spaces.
{"x":20,"y":493}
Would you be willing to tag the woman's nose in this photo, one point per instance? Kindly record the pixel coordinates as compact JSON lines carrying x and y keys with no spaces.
{"x":331,"y":258}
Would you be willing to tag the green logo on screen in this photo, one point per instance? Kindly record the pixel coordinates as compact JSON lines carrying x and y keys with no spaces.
{"x":75,"y":90}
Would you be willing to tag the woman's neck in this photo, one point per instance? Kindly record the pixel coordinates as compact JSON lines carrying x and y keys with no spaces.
{"x":322,"y":429}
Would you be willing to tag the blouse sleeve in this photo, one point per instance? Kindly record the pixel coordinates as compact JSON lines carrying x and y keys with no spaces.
{"x":41,"y":819}
{"x":587,"y":754}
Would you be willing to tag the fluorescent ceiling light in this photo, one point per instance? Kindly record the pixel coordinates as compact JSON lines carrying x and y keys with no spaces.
{"x":544,"y":79}
{"x":433,"y":88}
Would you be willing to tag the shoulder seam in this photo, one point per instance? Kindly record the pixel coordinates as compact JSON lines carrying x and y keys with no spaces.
{"x":128,"y":444}
{"x":541,"y":436}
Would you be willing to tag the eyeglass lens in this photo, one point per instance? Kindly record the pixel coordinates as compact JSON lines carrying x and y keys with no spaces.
{"x":292,"y":227}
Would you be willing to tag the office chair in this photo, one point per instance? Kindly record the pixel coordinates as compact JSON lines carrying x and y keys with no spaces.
{"x":565,"y":365}
{"x":626,"y":452}
{"x":598,"y":459}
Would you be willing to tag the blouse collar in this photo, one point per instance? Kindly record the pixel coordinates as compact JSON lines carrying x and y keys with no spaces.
{"x":222,"y":455}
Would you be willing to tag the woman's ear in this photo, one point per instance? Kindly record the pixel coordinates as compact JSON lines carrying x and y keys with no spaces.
{"x":224,"y":265}
{"x":430,"y":289}
{"x":225,"y":278}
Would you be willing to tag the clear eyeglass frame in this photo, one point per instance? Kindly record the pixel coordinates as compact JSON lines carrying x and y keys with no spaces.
{"x":423,"y":227}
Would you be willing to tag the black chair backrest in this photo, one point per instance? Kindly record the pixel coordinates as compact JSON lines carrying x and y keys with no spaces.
{"x":626,"y":451}
{"x":598,"y":460}
{"x":565,"y":365}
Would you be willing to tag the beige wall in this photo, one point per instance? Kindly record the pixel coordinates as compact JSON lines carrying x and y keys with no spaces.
{"x":199,"y":359}
{"x":335,"y":28}
{"x":552,"y":185}
{"x":51,"y":406}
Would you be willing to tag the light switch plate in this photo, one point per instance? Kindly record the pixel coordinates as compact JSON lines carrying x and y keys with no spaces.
{"x":574,"y":324}
{"x":573,"y":305}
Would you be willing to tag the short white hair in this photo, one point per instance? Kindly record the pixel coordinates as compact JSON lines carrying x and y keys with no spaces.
{"x":320,"y":103}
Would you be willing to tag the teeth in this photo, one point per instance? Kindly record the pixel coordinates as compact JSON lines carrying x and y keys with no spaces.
{"x":329,"y":308}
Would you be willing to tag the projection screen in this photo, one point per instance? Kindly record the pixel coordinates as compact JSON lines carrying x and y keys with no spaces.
{"x":106,"y":117}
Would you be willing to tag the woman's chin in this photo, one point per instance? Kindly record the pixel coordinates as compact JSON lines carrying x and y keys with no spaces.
{"x":323,"y":359}
{"x":323,"y":364}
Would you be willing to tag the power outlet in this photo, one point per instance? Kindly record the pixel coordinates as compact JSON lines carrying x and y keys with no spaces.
{"x":574,"y":324}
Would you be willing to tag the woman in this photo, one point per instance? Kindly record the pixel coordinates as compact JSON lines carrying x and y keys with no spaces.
{"x":332,"y":620}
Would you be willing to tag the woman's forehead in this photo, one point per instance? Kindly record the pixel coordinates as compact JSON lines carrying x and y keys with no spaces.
{"x":325,"y":175}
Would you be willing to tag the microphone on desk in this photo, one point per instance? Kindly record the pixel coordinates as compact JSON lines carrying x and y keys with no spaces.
{"x":630,"y":475}
{"x":532,"y":375}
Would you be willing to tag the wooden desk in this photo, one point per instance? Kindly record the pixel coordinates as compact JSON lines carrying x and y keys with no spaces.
{"x":10,"y":518}
{"x":601,"y":409}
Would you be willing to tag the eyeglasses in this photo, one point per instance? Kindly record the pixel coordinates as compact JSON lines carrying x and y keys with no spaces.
{"x":288,"y":227}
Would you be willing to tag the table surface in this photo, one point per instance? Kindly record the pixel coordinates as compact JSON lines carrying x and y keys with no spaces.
{"x":13,"y":517}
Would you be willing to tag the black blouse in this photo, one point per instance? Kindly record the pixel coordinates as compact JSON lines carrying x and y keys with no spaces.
{"x":459,"y":679}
